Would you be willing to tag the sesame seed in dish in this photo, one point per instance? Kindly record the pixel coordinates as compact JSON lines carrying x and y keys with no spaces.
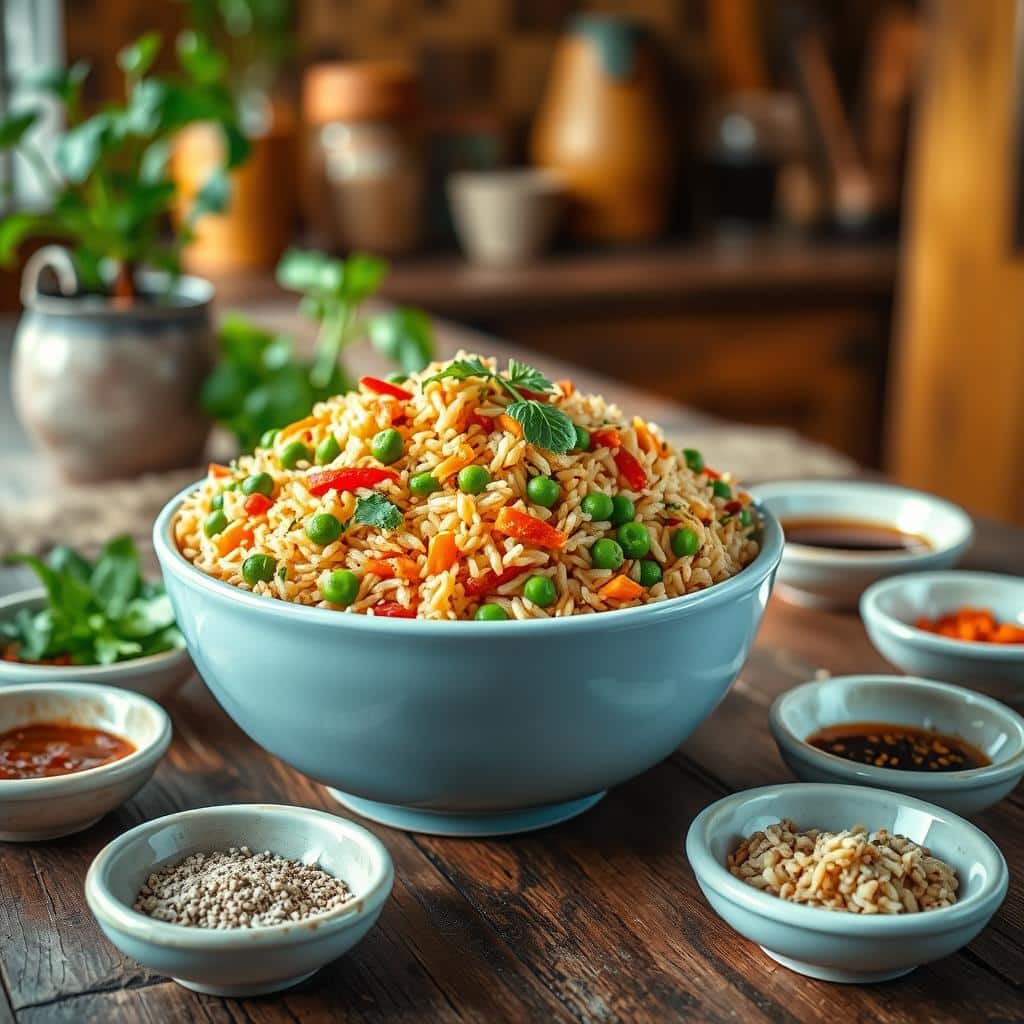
{"x":876,"y":873}
{"x":469,"y":491}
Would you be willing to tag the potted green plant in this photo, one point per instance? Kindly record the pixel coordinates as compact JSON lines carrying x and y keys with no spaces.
{"x":247,"y":43}
{"x":114,"y":343}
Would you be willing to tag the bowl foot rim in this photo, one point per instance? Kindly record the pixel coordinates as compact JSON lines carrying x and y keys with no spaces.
{"x":256,"y":988}
{"x":469,"y":824}
{"x":836,"y":974}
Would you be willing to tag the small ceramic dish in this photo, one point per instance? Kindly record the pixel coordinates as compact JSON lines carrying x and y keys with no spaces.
{"x":836,"y":945}
{"x":890,"y":607}
{"x":243,"y":961}
{"x":36,"y":809}
{"x":988,"y":725}
{"x":834,"y":578}
{"x":156,"y":676}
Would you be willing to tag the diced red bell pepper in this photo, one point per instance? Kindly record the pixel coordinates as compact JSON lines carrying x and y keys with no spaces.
{"x":393,"y":610}
{"x":529,"y":529}
{"x":486,"y":423}
{"x":383,"y":387}
{"x":324,"y":480}
{"x":632,"y":472}
{"x":257,"y":504}
{"x":490,"y":581}
{"x":605,"y":437}
{"x":732,"y":507}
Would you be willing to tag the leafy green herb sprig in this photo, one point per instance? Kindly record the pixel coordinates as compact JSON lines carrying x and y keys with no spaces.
{"x":259,"y":383}
{"x":112,"y":192}
{"x":379,"y":511}
{"x":544,"y":425}
{"x":96,"y":612}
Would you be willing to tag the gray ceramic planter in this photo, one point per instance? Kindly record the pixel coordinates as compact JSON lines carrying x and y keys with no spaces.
{"x":111,"y":392}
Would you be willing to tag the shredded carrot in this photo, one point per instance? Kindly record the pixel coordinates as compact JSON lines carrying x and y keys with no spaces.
{"x":442,"y":553}
{"x":529,"y":529}
{"x":973,"y":624}
{"x":567,"y":387}
{"x":512,"y":426}
{"x":644,"y":438}
{"x":448,"y":467}
{"x":234,"y":536}
{"x":621,"y":588}
{"x":298,"y":426}
{"x":217,"y":471}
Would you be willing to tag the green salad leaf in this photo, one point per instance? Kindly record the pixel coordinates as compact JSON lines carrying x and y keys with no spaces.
{"x":96,"y":613}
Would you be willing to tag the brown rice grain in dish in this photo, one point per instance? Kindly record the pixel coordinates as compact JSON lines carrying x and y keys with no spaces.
{"x":441,"y":555}
{"x":850,"y":870}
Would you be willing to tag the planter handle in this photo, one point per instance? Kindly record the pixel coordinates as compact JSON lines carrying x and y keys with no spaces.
{"x":53,"y":259}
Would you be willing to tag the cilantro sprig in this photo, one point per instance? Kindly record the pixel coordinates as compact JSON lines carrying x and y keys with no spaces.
{"x":376,"y":510}
{"x":543,"y":424}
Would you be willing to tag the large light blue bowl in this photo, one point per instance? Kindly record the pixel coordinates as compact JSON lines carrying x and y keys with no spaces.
{"x":467,"y":728}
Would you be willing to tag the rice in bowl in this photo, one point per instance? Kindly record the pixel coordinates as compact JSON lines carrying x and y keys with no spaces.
{"x":421,"y":499}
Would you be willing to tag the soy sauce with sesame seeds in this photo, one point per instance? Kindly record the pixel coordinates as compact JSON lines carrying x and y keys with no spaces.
{"x":902,"y":747}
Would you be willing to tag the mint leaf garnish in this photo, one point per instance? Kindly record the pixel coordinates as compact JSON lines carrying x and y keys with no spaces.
{"x":376,"y":510}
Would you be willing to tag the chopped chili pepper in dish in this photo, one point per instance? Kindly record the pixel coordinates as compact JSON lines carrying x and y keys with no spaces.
{"x":257,"y":504}
{"x":974,"y":624}
{"x":384,"y":387}
{"x":491,"y":581}
{"x":322,"y":481}
{"x":529,"y":529}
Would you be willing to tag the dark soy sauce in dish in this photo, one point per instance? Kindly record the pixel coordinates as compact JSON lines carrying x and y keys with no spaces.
{"x":903,"y":747}
{"x":854,"y":535}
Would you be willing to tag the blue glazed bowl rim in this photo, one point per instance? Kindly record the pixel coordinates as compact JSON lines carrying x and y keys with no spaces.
{"x":748,"y":579}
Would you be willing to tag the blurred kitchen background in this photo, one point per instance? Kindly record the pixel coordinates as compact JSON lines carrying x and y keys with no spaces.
{"x":795,"y":213}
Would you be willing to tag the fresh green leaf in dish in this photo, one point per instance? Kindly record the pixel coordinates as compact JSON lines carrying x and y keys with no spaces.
{"x":96,"y":613}
{"x":544,"y":424}
{"x":376,"y":510}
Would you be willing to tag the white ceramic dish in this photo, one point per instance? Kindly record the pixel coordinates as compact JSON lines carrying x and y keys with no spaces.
{"x":834,"y":945}
{"x":890,"y":607}
{"x":990,"y":726}
{"x":825,"y":578}
{"x":157,"y":676}
{"x":36,"y":809}
{"x":244,"y":961}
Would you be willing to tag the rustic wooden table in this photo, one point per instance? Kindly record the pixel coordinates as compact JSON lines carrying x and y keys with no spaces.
{"x":598,"y":919}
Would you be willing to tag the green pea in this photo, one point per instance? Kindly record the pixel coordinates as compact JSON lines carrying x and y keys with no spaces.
{"x":473,"y":479}
{"x":424,"y":484}
{"x":323,"y":529}
{"x":606,"y":554}
{"x":396,"y":378}
{"x":260,"y":483}
{"x":268,"y":438}
{"x":491,"y":613}
{"x":721,"y":489}
{"x":623,"y":510}
{"x":341,"y":587}
{"x":694,"y":459}
{"x":650,"y":573}
{"x":598,"y":506}
{"x":215,"y":522}
{"x":233,"y":486}
{"x":327,"y":450}
{"x":582,"y":439}
{"x":685,"y":542}
{"x":542,"y":490}
{"x":293,"y":453}
{"x":634,"y":539}
{"x":540,"y":590}
{"x":258,"y":569}
{"x":746,"y":517}
{"x":387,"y":446}
{"x":217,"y":501}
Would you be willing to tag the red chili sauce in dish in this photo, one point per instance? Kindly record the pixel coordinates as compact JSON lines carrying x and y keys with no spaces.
{"x":44,"y":749}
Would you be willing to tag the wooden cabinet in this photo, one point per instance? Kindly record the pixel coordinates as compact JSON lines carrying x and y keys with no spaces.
{"x":784,"y":333}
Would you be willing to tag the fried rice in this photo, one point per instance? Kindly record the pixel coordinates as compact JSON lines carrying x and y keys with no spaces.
{"x":451,"y":552}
